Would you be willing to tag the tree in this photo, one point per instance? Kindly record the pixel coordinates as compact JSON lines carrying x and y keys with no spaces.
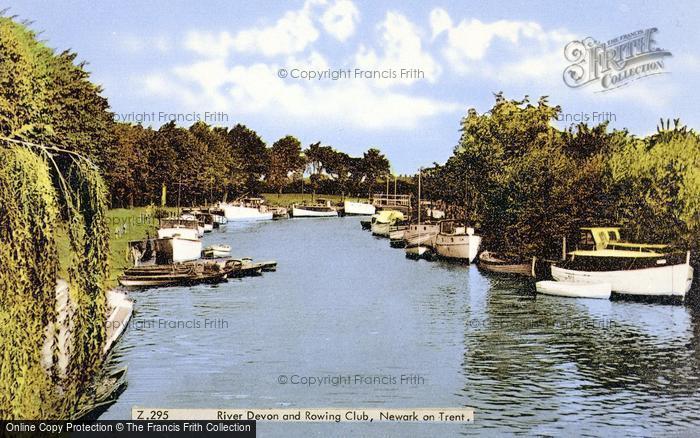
{"x":252,"y":154}
{"x":285,"y":159}
{"x":374,"y":166}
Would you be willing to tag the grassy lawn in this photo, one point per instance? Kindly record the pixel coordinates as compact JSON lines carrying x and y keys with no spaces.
{"x":287,"y":199}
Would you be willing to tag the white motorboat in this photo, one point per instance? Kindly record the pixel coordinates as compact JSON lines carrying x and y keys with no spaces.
{"x":630,"y":268}
{"x":574,"y":290}
{"x":216,"y":251}
{"x":188,"y":228}
{"x":178,"y":249}
{"x":359,"y":208}
{"x":457,"y":241}
{"x":421,"y":234}
{"x":322,"y":209}
{"x":247,"y":209}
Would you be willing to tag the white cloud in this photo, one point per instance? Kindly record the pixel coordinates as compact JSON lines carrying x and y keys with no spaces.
{"x":527,"y":53}
{"x":401,"y":47}
{"x":256,"y":89}
{"x":290,"y":34}
{"x":340,"y":19}
{"x":440,"y":21}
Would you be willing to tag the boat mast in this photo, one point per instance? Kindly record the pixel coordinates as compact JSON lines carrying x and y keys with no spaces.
{"x":419,"y":207}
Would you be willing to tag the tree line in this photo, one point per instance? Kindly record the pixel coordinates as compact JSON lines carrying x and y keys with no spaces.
{"x":527,"y":184}
{"x":203,"y":164}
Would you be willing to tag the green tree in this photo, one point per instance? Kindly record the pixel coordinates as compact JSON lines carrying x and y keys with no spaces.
{"x":285,"y":160}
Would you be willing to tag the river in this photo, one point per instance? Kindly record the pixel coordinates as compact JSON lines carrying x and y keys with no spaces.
{"x":343,"y":303}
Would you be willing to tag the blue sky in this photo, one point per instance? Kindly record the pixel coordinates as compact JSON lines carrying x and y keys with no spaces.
{"x":197,"y":57}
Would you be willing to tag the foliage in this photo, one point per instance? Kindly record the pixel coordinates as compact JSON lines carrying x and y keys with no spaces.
{"x":526,"y":184}
{"x":37,"y":193}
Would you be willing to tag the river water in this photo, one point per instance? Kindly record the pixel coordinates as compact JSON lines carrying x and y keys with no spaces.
{"x":343,"y":303}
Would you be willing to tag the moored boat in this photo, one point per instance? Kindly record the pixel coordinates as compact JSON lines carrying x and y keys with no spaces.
{"x":359,"y":208}
{"x":456,"y":240}
{"x":384,"y":220}
{"x":637,"y":269}
{"x":396,"y":235}
{"x":245,"y":210}
{"x":322,"y":208}
{"x":186,"y":227}
{"x":216,"y":251}
{"x":574,"y":290}
{"x":421,"y":234}
{"x":505,"y":263}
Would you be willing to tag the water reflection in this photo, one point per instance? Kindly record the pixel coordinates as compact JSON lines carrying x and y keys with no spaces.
{"x":342,"y":302}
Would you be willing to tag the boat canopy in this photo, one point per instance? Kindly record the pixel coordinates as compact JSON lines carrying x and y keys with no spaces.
{"x":599,"y":238}
{"x":389,"y":216}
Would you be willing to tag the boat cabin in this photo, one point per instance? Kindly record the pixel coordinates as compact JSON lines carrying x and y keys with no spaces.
{"x":597,"y":238}
{"x":179,"y":223}
{"x":455,"y":227}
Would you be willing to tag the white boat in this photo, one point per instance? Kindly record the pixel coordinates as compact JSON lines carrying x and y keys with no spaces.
{"x":457,"y":241}
{"x":219,"y":219}
{"x":421,"y":234}
{"x":630,"y":268}
{"x":185,"y":228}
{"x":245,"y":210}
{"x":178,"y":249}
{"x":574,"y":290}
{"x":383,"y":222}
{"x":322,"y":209}
{"x":359,"y":208}
{"x":216,"y":251}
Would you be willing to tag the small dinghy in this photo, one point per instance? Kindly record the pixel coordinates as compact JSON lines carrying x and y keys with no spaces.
{"x":574,"y":290}
{"x":216,"y":251}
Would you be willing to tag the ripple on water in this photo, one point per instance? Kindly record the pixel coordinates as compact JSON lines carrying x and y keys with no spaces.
{"x":342,"y":302}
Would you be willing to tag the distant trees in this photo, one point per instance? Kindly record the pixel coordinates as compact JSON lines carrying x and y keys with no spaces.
{"x":285,"y":161}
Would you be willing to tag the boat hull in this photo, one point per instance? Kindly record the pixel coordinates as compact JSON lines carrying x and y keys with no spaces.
{"x":423,"y":234}
{"x":673,"y":280}
{"x":300,"y":212}
{"x":459,"y":247}
{"x":381,"y":229}
{"x":574,"y":290}
{"x":359,"y":208}
{"x":235,"y":213}
{"x":185,"y":250}
{"x":491,"y":262}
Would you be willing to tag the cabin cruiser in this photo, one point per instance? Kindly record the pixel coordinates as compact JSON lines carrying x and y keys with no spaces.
{"x":641,"y":269}
{"x":456,"y":240}
{"x":421,"y":234}
{"x":187,"y":227}
{"x":322,"y":208}
{"x":359,"y":208}
{"x":246,"y":209}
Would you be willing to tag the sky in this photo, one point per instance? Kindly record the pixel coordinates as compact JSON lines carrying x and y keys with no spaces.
{"x":229,"y":62}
